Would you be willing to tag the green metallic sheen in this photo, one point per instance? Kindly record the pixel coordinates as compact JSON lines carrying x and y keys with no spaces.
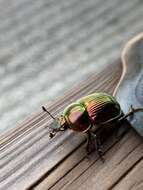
{"x":94,"y":109}
{"x":98,"y":110}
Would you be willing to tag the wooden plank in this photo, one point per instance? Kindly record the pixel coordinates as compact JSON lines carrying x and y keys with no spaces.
{"x":133,"y":179}
{"x":123,"y":158}
{"x":93,"y":174}
{"x":85,"y":88}
{"x":27,"y":153}
{"x":73,"y":167}
{"x":67,"y":165}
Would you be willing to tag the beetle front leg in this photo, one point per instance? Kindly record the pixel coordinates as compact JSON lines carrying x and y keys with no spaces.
{"x":55,"y":131}
{"x":93,"y":143}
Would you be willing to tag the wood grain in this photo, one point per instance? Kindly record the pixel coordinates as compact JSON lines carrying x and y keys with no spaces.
{"x":27,"y":155}
{"x":92,"y":174}
{"x":57,"y":34}
{"x":134,"y":179}
{"x":123,"y":168}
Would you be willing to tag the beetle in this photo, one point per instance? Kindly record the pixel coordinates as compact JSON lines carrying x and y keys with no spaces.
{"x":98,"y":110}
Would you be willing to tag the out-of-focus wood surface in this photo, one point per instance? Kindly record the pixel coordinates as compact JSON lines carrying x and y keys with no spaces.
{"x":122,"y":159}
{"x":75,"y":37}
{"x":28,"y":158}
{"x":79,"y":39}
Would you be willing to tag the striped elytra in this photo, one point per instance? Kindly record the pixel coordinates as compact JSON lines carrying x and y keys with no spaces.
{"x":94,"y":109}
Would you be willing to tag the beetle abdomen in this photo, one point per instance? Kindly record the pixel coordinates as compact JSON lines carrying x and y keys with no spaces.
{"x":95,"y":109}
{"x":100,"y":113}
{"x":101,"y":107}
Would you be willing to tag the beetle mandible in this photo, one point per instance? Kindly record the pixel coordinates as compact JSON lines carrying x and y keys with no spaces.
{"x":95,"y":110}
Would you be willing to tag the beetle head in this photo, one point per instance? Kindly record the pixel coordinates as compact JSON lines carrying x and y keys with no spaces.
{"x":59,"y":125}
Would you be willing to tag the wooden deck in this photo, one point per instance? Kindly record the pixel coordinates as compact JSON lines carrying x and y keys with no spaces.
{"x":37,"y":38}
{"x":30,"y":160}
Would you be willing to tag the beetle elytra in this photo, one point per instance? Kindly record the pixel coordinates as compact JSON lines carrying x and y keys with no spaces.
{"x":95,"y":110}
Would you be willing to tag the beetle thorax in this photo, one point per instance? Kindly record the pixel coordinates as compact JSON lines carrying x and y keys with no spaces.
{"x":77,"y":117}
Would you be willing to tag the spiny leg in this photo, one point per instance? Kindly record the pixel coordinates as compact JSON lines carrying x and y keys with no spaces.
{"x":90,"y":146}
{"x":131,"y":112}
{"x":121,"y":131}
{"x":93,"y":143}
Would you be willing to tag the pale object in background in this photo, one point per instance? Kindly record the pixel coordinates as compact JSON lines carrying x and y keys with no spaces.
{"x":130,"y":89}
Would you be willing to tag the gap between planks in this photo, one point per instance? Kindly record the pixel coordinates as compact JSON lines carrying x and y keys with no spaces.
{"x":21,"y":148}
{"x":120,"y":158}
{"x":99,"y":81}
{"x":51,"y":179}
{"x":77,"y":172}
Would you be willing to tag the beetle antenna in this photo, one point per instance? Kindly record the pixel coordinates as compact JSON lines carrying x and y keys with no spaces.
{"x":45,"y":110}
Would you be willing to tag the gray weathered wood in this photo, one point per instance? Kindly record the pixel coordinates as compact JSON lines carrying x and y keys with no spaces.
{"x":123,"y":158}
{"x":27,"y":154}
{"x":134,"y":179}
{"x":93,"y":174}
{"x":37,"y":38}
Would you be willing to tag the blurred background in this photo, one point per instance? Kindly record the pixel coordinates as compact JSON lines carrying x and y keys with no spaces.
{"x":47,"y":46}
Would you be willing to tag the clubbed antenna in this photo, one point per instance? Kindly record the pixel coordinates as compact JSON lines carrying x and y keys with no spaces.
{"x":56,"y":129}
{"x":44,"y":109}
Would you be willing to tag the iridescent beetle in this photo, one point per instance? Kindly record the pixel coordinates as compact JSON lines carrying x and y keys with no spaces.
{"x":95,"y":110}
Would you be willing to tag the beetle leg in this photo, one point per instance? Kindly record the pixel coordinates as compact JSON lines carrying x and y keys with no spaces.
{"x":54,"y":131}
{"x":90,"y":146}
{"x":93,"y":142}
{"x":131,"y":112}
{"x":120,"y":132}
{"x":98,"y":147}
